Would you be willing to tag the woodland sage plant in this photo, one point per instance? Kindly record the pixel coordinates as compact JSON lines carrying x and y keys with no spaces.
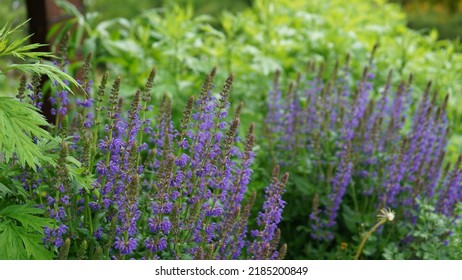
{"x":123,"y":183}
{"x":354,"y":148}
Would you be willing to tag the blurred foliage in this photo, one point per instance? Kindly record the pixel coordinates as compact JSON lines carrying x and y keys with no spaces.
{"x":129,"y":8}
{"x":12,"y":10}
{"x":434,"y":237}
{"x":254,"y":43}
{"x":269,"y":36}
{"x":443,"y":15}
{"x":16,"y":10}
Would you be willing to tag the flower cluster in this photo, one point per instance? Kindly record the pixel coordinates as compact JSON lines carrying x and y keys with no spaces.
{"x":356,"y":145}
{"x":130,"y":183}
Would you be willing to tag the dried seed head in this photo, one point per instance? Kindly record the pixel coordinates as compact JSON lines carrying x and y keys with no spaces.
{"x":226,"y":88}
{"x":282,"y":252}
{"x":275,"y":175}
{"x":175,"y":219}
{"x":249,"y":141}
{"x":284,"y":179}
{"x":410,"y":79}
{"x":22,"y":88}
{"x":347,"y":60}
{"x":36,"y":82}
{"x":120,"y":105}
{"x":86,"y":74}
{"x":86,"y":155}
{"x":209,"y":251}
{"x":149,"y":84}
{"x":445,"y":103}
{"x":237,"y":113}
{"x":133,"y":189}
{"x":102,"y":86}
{"x":320,"y":71}
{"x":275,"y":240}
{"x":208,"y":83}
{"x":315,"y":203}
{"x":276,"y":78}
{"x":199,"y":254}
{"x":134,"y":109}
{"x":230,"y":138}
{"x":186,"y":116}
{"x":114,"y":101}
{"x":373,"y":52}
{"x":245,"y":213}
{"x":62,"y":51}
{"x":114,"y":96}
{"x":213,"y":73}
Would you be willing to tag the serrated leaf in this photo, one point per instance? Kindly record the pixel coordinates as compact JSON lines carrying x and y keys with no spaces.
{"x":14,"y":46}
{"x":18,"y":244}
{"x":10,"y":243}
{"x":46,"y":147}
{"x":33,"y":248}
{"x":26,"y":215}
{"x":74,"y":161}
{"x":83,"y":181}
{"x":19,"y":123}
{"x":4,"y":191}
{"x":54,"y":73}
{"x":15,"y":188}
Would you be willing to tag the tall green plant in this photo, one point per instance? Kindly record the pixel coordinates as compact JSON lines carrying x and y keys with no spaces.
{"x":25,"y":144}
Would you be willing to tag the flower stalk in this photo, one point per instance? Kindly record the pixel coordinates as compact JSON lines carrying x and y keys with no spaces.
{"x":386,"y":215}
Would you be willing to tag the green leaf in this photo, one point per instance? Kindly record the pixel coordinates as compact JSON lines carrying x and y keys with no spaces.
{"x":350,"y":218}
{"x":16,"y":47}
{"x":82,"y":181}
{"x":10,"y":243}
{"x":47,"y":148}
{"x":19,"y":123}
{"x":17,"y":244}
{"x":74,"y":161}
{"x":33,"y":247}
{"x":53,"y":72}
{"x":10,"y":187}
{"x":26,"y":215}
{"x":4,"y":191}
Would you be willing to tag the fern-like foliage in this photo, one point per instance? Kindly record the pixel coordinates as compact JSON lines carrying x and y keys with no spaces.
{"x":16,"y":48}
{"x":54,"y":73}
{"x":20,"y":123}
{"x":21,"y":234}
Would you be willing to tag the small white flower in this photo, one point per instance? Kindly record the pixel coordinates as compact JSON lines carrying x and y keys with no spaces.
{"x":386,"y":215}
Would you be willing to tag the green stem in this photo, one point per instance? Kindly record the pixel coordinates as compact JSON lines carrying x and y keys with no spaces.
{"x":366,"y":236}
{"x":95,"y":136}
{"x":87,"y":213}
{"x":355,"y":199}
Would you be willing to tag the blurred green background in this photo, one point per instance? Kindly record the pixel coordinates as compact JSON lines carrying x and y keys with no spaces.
{"x":422,"y":15}
{"x":444,"y":15}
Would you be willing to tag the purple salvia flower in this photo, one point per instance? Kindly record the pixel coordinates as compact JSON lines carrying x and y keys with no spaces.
{"x":125,"y":246}
{"x":451,"y":193}
{"x":269,"y":218}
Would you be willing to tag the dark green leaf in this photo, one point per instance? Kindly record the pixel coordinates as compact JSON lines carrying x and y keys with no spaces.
{"x":26,"y":215}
